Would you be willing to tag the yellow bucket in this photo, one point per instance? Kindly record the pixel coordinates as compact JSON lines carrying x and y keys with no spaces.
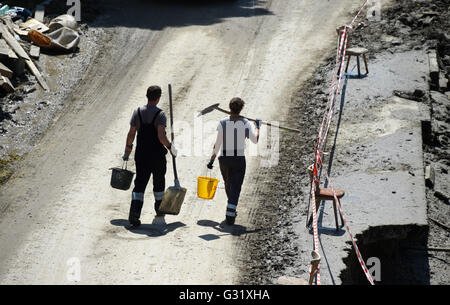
{"x":206,"y":187}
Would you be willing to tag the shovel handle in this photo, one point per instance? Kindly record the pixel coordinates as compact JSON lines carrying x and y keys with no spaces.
{"x":171,"y":134}
{"x":262,"y":122}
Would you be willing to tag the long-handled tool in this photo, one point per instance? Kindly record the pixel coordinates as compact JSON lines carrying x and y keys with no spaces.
{"x":174,"y":195}
{"x":216,"y":107}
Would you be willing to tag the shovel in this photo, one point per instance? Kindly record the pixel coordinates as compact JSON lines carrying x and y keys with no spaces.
{"x":174,"y":195}
{"x":216,"y":107}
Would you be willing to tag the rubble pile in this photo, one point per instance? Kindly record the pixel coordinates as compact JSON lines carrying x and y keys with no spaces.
{"x":22,"y":39}
{"x":405,"y":25}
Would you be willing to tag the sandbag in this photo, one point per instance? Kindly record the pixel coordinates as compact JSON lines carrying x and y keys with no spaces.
{"x":64,"y":38}
{"x":67,"y":21}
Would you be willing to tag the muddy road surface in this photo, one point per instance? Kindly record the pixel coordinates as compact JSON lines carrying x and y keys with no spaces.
{"x":62,"y":223}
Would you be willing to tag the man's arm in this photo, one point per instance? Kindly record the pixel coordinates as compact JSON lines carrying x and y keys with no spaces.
{"x":163,"y":137}
{"x":131,"y":135}
{"x":129,"y":143}
{"x":254,"y":132}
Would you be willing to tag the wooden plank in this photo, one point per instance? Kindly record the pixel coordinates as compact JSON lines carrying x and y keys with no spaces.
{"x":6,"y":51}
{"x":6,"y":84}
{"x":33,"y":24}
{"x":12,"y":42}
{"x":5,"y":71}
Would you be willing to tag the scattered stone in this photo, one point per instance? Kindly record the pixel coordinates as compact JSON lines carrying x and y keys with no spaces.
{"x":429,"y":176}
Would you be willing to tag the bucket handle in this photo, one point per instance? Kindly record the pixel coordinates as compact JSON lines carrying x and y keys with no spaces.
{"x":123,"y":164}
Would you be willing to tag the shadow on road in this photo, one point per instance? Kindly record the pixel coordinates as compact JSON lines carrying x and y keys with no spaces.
{"x":235,"y":230}
{"x":159,"y":14}
{"x":156,"y":229}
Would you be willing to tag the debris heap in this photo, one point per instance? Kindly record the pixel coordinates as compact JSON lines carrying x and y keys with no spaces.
{"x":22,"y":37}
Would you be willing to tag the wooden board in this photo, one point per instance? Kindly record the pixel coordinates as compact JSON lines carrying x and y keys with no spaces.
{"x":6,"y":84}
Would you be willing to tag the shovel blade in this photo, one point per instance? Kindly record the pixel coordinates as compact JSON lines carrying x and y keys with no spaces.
{"x":172,"y":200}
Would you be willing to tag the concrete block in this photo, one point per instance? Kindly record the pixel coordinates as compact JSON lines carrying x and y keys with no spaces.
{"x":35,"y":51}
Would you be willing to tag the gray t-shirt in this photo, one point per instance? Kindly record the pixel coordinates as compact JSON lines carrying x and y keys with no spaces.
{"x":147,"y":114}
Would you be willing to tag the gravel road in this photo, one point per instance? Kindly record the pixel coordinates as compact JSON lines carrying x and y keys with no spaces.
{"x":58,"y":210}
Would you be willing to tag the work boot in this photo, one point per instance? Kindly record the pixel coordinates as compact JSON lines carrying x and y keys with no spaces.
{"x":230,"y":220}
{"x":231,"y":214}
{"x":135,"y":213}
{"x":157,"y":204}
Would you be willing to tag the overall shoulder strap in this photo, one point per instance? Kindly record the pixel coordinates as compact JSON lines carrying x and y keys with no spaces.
{"x":139,"y":114}
{"x":156,"y":115}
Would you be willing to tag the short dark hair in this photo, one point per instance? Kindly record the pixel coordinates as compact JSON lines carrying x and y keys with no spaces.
{"x":153,"y":93}
{"x":236,"y":105}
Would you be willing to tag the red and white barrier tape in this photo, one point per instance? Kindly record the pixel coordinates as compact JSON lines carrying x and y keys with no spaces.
{"x":335,"y":91}
{"x":319,"y":148}
{"x":315,"y":228}
{"x":358,"y":254}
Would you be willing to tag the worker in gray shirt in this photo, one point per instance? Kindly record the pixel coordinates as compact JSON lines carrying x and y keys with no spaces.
{"x":150,"y":124}
{"x":230,"y":144}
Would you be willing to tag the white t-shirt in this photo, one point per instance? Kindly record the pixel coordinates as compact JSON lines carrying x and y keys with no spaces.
{"x":231,"y":136}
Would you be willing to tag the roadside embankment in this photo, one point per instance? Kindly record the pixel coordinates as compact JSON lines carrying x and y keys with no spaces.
{"x":388,"y":126}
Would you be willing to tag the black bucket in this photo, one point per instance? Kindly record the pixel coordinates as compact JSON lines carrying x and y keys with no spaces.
{"x":121,"y":178}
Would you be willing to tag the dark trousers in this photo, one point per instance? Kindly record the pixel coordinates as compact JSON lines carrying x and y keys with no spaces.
{"x":155,"y":166}
{"x":152,"y":165}
{"x":233,"y":173}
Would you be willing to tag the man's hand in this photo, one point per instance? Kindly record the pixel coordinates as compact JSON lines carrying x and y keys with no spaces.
{"x":173,"y":150}
{"x":128,"y":150}
{"x":258,"y":123}
{"x":210,"y":164}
